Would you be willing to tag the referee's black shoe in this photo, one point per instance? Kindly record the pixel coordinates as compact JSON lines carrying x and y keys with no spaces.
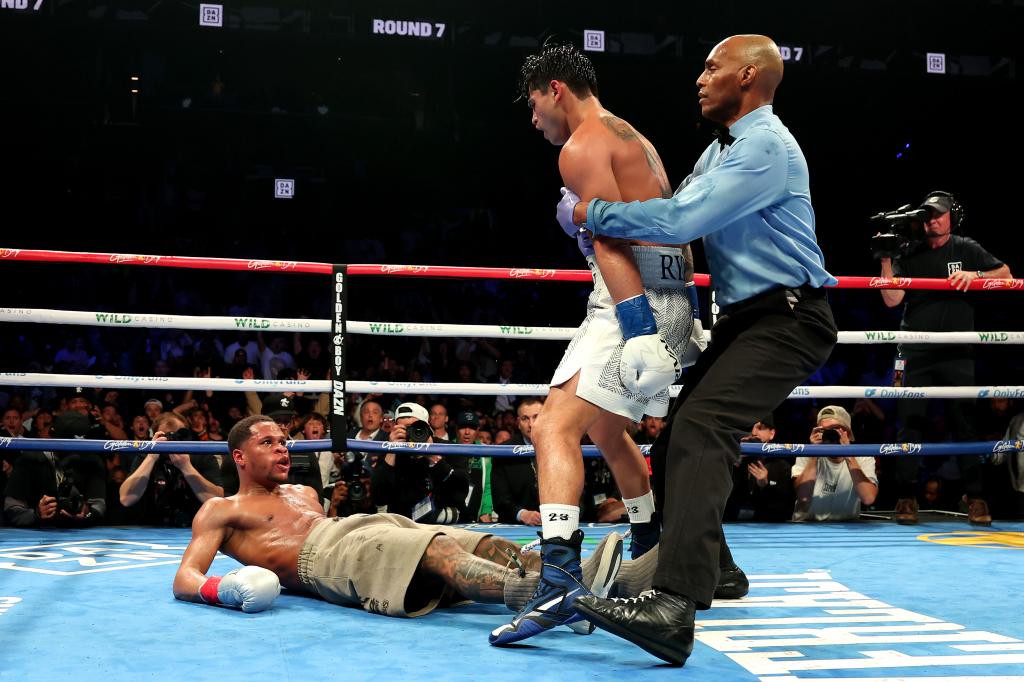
{"x":660,"y":623}
{"x":732,"y":583}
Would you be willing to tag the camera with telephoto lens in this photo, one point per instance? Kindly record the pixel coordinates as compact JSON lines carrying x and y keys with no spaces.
{"x":68,"y":497}
{"x":830,"y":437}
{"x":418,"y":432}
{"x":900,"y":231}
{"x":352,"y":473}
{"x":179,"y":435}
{"x":182,"y":434}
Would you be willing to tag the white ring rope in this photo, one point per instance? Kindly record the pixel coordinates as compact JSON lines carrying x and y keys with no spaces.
{"x":428,"y":388}
{"x":161,"y":320}
{"x":248,"y":323}
{"x":485,"y":331}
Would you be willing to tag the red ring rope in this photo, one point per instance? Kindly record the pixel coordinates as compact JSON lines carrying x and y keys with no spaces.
{"x":448,"y":271}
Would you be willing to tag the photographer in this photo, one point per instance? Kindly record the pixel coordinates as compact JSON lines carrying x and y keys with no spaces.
{"x":935,"y":252}
{"x":166,"y":489}
{"x":63,"y":489}
{"x":425,"y":488}
{"x":352,"y":492}
{"x":346,"y":475}
{"x":762,"y":487}
{"x":833,"y":488}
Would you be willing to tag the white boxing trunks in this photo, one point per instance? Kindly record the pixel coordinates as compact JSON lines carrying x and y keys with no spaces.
{"x":596,"y":348}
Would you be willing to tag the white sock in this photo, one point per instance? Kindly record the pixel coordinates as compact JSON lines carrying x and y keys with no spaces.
{"x":640,"y":508}
{"x":559,"y":520}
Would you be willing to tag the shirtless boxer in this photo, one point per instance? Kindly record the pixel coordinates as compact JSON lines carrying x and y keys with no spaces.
{"x":626,"y":353}
{"x":385,"y":563}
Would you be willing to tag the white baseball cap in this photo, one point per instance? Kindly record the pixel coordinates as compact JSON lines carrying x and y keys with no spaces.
{"x":412,"y":410}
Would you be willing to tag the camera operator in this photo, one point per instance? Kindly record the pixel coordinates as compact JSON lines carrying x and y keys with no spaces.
{"x":425,"y":488}
{"x":939,"y":253}
{"x":833,"y":488}
{"x":168,"y":489}
{"x":762,"y":487}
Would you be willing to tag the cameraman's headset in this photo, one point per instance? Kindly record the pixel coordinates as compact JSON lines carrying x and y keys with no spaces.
{"x":956,"y":211}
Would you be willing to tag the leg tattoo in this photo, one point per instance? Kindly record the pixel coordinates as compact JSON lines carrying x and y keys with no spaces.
{"x":470,"y":575}
{"x":497,"y":550}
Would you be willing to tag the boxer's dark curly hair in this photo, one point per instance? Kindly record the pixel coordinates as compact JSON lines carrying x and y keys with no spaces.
{"x":558,"y":62}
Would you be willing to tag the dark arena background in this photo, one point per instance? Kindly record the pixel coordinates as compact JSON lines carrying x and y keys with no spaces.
{"x":376,"y":132}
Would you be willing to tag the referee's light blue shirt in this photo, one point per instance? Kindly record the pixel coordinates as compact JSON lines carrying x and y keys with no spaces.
{"x":751,"y":202}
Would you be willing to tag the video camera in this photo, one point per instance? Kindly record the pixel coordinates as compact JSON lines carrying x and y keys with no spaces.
{"x":901,"y":231}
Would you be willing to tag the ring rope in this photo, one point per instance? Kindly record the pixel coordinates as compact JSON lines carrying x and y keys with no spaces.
{"x":760,"y":449}
{"x":429,"y":388}
{"x":236,"y":264}
{"x":431,"y":329}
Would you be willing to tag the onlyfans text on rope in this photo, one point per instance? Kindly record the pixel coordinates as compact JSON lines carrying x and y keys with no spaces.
{"x":427,"y":388}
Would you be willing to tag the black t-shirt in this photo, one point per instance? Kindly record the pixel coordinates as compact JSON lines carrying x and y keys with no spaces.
{"x":169,"y":500}
{"x":941,"y":310}
{"x":411,"y":480}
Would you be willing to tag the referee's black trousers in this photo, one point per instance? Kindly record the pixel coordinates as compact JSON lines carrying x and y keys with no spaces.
{"x":761,"y":349}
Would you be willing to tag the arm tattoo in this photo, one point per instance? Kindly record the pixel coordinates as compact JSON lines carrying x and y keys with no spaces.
{"x":624,"y":131}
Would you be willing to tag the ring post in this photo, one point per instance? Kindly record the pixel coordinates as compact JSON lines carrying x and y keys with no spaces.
{"x":339,"y":295}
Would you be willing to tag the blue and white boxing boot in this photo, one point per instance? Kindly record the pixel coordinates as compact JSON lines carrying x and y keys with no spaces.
{"x":553,"y":602}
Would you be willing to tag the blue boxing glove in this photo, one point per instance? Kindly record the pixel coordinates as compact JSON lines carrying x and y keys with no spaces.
{"x":648,"y":365}
{"x":691,"y":293}
{"x":585,"y":242}
{"x":563,"y":212}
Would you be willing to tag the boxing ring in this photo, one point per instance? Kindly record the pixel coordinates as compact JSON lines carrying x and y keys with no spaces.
{"x":866,"y":600}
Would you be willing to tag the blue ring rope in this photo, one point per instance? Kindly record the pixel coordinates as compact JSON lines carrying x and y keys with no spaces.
{"x":759,"y":449}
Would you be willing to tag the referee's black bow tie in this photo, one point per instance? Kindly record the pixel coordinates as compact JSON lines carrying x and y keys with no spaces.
{"x":724,"y":138}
